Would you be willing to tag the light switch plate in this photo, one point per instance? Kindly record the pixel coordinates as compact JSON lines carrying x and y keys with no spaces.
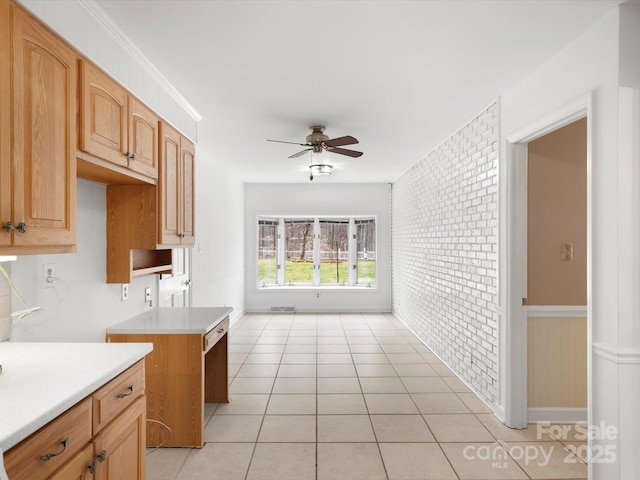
{"x":566,"y":252}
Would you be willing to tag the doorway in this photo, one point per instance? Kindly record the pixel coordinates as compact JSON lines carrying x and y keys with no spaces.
{"x":557,"y":275}
{"x":513,"y":311}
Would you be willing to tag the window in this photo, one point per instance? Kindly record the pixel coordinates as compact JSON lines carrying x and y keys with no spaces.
{"x":366,"y":251}
{"x":316,"y":251}
{"x":267,"y":248}
{"x":299,"y":252}
{"x":334,"y":252}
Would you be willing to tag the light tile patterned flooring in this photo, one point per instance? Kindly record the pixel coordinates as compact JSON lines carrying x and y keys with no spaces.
{"x":349,"y":397}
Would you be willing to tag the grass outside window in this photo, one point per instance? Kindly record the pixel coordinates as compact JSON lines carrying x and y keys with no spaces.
{"x":301,"y":272}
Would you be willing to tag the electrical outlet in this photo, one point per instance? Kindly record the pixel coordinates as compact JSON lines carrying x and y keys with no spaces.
{"x":48,"y":275}
{"x":124,"y":293}
{"x":147,"y":295}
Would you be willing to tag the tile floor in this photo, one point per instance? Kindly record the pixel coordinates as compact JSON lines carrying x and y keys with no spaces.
{"x":349,"y":397}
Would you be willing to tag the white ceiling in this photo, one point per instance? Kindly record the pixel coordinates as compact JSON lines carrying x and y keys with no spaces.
{"x":401,"y":76}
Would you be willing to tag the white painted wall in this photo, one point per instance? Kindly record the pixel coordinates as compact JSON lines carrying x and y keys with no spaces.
{"x":82,"y":305}
{"x":597,"y":62}
{"x":218,"y":257}
{"x":319,"y":199}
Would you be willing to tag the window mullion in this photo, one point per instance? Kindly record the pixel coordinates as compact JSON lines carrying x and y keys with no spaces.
{"x":316,"y":251}
{"x":281,"y":257}
{"x":353,"y":253}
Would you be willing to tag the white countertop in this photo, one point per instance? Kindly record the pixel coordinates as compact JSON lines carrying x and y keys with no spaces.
{"x":198,"y":320}
{"x":39,"y":381}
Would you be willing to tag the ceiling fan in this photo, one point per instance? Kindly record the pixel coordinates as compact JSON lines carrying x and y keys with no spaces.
{"x":317,"y":142}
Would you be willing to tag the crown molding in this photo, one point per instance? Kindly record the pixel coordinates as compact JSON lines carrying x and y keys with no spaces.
{"x":96,"y":12}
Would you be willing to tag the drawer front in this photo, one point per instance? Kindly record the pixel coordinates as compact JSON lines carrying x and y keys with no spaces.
{"x":44,"y":452}
{"x":216,"y":333}
{"x":118,"y":394}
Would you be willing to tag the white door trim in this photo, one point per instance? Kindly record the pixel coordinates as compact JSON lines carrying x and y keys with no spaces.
{"x":513,"y":269}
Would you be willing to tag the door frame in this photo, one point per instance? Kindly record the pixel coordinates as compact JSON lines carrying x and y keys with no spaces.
{"x":513,"y":259}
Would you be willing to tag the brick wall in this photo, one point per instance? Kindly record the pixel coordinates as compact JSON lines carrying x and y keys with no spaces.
{"x":444,"y":251}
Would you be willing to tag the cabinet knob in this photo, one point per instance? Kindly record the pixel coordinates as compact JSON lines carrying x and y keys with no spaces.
{"x":22,"y":227}
{"x":8,"y":227}
{"x":92,"y":466}
{"x":127,"y":154}
{"x":132,"y":156}
{"x":102,"y":456}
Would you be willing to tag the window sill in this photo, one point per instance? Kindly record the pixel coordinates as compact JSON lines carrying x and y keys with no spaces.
{"x":315,"y":287}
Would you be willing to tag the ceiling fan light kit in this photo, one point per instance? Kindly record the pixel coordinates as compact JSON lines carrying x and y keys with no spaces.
{"x":319,"y":169}
{"x":317,"y":142}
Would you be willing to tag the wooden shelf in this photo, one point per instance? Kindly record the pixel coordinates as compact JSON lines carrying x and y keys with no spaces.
{"x":132,"y":235}
{"x":149,"y":262}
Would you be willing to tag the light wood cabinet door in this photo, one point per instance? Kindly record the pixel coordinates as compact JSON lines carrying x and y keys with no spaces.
{"x":120,"y":447}
{"x":103,"y":126}
{"x":188,"y":154}
{"x":5,"y":121}
{"x":176,"y":192}
{"x":43,"y":102}
{"x":143,"y":139}
{"x":169,"y":190}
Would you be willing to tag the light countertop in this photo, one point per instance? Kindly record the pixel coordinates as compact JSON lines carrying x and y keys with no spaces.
{"x":39,"y":381}
{"x":198,"y":320}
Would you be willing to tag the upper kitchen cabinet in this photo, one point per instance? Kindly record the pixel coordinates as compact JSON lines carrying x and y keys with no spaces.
{"x":176,"y":189}
{"x":144,"y":222}
{"x":38,"y":85}
{"x":118,"y":134}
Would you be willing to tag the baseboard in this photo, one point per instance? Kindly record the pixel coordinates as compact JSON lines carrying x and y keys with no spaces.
{"x":557,"y":415}
{"x":354,"y":309}
{"x":235,"y":316}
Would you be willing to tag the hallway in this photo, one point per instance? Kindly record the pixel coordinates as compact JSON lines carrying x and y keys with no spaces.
{"x":355,"y":396}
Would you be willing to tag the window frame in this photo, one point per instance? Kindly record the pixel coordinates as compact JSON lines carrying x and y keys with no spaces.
{"x":281,"y":252}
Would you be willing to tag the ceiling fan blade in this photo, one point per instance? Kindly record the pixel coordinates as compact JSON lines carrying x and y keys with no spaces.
{"x":292,"y":143}
{"x":345,"y":151}
{"x":338,"y":142}
{"x":299,"y":154}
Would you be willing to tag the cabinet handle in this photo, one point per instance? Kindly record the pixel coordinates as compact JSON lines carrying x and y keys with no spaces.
{"x":127,"y":154}
{"x":8,"y":227}
{"x":132,"y":156}
{"x":92,"y":466}
{"x":221,"y":330}
{"x":48,"y":456}
{"x":129,"y":392}
{"x":102,"y":456}
{"x":22,"y":227}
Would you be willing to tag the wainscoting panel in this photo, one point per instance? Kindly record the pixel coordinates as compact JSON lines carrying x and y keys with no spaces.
{"x":557,"y":362}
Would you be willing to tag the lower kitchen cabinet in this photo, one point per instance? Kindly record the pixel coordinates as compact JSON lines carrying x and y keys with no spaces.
{"x":119,"y":449}
{"x":102,"y":437}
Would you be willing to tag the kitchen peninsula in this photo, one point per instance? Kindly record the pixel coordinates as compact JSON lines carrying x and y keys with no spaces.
{"x":188,"y":367}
